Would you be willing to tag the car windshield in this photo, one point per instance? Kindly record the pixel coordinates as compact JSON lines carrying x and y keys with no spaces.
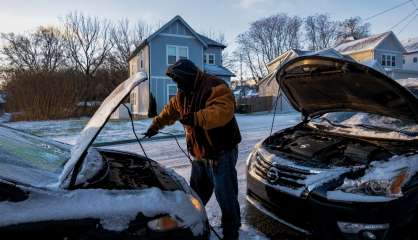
{"x":30,"y":159}
{"x":367,"y":124}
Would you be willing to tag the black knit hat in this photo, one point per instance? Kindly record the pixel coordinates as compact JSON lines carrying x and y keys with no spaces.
{"x":184,"y":73}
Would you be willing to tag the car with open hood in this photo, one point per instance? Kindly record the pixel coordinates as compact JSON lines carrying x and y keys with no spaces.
{"x":51,"y":190}
{"x":348,"y":170}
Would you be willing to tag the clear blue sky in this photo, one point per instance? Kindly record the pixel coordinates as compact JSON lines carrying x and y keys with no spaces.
{"x":230,"y":16}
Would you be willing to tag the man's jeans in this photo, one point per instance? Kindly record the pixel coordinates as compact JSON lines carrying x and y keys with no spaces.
{"x":219,"y":172}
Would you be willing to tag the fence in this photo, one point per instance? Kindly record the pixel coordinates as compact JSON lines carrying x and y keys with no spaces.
{"x":263,"y":103}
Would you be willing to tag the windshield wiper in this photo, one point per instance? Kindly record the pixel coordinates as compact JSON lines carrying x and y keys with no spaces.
{"x":386,"y":129}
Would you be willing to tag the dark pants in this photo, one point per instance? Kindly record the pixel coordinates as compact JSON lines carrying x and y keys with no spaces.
{"x":219,"y":172}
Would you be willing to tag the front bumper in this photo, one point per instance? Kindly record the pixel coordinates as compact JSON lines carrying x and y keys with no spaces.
{"x":319,"y":216}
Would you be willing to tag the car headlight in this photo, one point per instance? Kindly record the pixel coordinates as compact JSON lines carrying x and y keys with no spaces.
{"x":163,"y":224}
{"x":390,"y":186}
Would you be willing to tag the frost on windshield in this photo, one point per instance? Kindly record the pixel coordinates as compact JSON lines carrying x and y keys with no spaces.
{"x":383,"y":178}
{"x":115,"y":208}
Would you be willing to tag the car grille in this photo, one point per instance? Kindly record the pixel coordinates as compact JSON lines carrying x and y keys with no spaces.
{"x":279,"y":174}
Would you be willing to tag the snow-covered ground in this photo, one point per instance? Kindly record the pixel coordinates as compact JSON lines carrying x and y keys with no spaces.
{"x":254,"y":127}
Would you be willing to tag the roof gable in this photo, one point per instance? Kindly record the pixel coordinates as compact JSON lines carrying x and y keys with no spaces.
{"x":391,"y":42}
{"x":172,"y":21}
{"x":362,"y":44}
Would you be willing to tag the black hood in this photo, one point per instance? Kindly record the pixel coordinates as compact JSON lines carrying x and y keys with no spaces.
{"x":316,"y":85}
{"x":184,"y":73}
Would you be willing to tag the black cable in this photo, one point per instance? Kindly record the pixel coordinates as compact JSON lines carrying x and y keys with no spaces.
{"x":133,"y":130}
{"x":149,"y":160}
{"x":190,"y":159}
{"x":387,"y":10}
{"x":274,"y":113}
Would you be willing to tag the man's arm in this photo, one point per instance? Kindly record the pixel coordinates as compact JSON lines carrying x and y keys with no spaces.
{"x":219,"y":108}
{"x":168,"y":116}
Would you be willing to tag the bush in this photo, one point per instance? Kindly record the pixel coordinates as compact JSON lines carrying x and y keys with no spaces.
{"x":42,"y":96}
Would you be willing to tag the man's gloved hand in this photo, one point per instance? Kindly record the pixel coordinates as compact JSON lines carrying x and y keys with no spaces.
{"x":187,"y":119}
{"x":152,"y":131}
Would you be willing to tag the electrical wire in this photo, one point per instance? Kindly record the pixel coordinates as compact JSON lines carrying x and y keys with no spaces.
{"x":388,"y":10}
{"x":407,"y":24}
{"x":149,"y":160}
{"x":404,"y":19}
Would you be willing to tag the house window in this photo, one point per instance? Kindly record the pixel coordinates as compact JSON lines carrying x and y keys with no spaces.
{"x":388,"y":60}
{"x":171,"y":91}
{"x":175,"y":53}
{"x":141,"y":61}
{"x":209,"y":58}
{"x":415,"y":60}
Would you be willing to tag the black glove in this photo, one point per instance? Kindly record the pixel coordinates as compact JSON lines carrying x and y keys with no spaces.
{"x":188,"y":119}
{"x":150,"y":132}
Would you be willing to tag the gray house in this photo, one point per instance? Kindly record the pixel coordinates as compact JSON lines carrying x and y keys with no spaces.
{"x":173,"y":41}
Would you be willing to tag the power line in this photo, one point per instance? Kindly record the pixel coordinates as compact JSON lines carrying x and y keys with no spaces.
{"x":404,"y":19}
{"x":410,"y":21}
{"x":389,"y":9}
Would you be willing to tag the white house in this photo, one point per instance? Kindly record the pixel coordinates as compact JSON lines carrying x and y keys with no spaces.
{"x":410,"y":57}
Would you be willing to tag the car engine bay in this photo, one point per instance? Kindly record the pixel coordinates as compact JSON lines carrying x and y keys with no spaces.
{"x":320,"y":149}
{"x":124,"y":171}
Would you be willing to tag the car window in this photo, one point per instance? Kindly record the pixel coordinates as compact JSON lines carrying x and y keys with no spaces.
{"x":24,"y":154}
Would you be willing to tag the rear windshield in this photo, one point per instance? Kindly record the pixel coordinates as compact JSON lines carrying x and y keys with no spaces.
{"x":23,"y":154}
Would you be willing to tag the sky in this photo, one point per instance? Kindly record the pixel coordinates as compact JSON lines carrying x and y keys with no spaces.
{"x":230,"y":17}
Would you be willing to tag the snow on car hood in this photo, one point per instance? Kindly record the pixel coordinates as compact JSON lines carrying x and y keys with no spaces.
{"x":317,"y":84}
{"x":96,"y":123}
{"x":115,"y":208}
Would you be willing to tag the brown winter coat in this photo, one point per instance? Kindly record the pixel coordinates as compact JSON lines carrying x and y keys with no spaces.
{"x":215,"y":127}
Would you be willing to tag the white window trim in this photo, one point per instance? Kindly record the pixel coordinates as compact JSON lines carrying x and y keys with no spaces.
{"x":177,"y":52}
{"x":388,"y":54}
{"x":168,"y":92}
{"x":207,"y":58}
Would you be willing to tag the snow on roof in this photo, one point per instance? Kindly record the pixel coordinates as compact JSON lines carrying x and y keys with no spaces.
{"x":217,"y":70}
{"x":363,"y":43}
{"x":410,"y":44}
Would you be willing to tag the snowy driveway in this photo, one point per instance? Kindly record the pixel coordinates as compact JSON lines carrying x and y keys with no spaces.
{"x":253,"y":127}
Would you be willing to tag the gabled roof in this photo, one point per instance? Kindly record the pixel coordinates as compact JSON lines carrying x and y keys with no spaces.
{"x":364,"y":44}
{"x":199,"y":37}
{"x":410,"y":45}
{"x":211,"y":42}
{"x":217,"y":70}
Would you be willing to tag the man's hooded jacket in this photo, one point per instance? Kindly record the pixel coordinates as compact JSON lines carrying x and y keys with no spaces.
{"x":212,"y":104}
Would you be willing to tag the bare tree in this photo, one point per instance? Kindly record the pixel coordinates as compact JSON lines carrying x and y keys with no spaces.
{"x":320,"y":31}
{"x":125,"y":38}
{"x":41,"y":50}
{"x":266,"y":39}
{"x":352,"y":28}
{"x":88,"y":45}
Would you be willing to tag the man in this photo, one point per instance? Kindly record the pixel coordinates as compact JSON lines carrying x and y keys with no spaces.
{"x":204,"y":104}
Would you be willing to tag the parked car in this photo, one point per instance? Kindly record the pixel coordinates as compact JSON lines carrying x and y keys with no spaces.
{"x":50,"y":190}
{"x":348,"y":170}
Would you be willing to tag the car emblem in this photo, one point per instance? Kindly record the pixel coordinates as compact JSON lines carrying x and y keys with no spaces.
{"x":273,"y":175}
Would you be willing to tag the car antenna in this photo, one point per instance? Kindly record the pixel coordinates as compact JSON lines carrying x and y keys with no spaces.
{"x":149,"y":160}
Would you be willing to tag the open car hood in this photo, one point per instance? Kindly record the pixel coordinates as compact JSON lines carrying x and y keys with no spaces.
{"x":316,"y":85}
{"x":96,"y":123}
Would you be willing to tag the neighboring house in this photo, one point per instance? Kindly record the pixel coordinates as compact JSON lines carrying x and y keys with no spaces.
{"x":385,"y":48}
{"x":410,"y":57}
{"x":268,"y":86}
{"x":173,"y":41}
